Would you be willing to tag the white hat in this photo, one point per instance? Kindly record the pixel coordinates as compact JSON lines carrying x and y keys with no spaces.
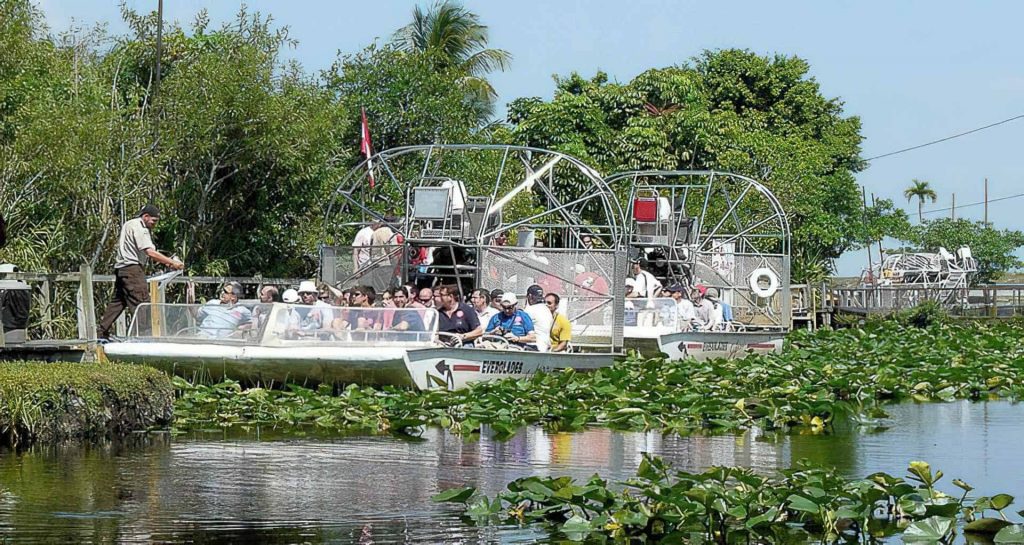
{"x":307,"y":286}
{"x":509,"y":298}
{"x":290,"y":296}
{"x":631,"y":283}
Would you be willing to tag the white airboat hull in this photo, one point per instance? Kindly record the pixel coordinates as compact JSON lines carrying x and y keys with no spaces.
{"x":377,"y":365}
{"x":454,"y":368}
{"x":706,"y":345}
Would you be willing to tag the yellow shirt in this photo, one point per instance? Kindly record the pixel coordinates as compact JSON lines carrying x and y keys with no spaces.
{"x":561,"y":330}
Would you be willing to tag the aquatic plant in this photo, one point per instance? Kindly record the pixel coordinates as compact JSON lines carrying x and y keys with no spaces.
{"x":736,"y":505}
{"x":819,"y":377}
{"x":54,"y":401}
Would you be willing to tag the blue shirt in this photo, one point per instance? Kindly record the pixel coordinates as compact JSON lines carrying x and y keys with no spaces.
{"x":222,"y":320}
{"x":519,"y":324}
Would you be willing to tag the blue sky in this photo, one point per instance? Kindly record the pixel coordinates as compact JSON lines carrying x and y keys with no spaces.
{"x":914,"y":71}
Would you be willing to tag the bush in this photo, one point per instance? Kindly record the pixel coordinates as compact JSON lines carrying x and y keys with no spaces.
{"x":57,"y":401}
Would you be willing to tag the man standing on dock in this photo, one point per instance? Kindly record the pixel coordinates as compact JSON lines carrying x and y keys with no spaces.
{"x":134,"y":249}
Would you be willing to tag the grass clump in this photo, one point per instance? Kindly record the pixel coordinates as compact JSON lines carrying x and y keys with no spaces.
{"x":56,"y":401}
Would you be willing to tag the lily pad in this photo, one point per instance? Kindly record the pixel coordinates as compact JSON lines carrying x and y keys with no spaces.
{"x":929,"y":530}
{"x":1010,"y":534}
{"x":456,"y":495}
{"x":986,"y":525}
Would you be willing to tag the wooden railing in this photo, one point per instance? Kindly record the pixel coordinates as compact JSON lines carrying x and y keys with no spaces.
{"x":84,"y":282}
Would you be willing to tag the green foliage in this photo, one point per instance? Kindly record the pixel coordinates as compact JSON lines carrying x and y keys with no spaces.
{"x":409,"y":99}
{"x":923,"y":315}
{"x":921,"y":190}
{"x":992,"y":249}
{"x":732,"y":111}
{"x":455,"y":39}
{"x":818,"y":378}
{"x":56,"y":401}
{"x":732,"y":505}
{"x":235,"y":142}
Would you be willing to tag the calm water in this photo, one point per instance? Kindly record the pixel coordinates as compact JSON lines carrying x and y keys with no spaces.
{"x":212,"y":488}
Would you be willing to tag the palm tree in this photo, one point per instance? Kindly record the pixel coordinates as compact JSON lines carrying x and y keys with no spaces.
{"x":455,"y":34}
{"x":920,"y":190}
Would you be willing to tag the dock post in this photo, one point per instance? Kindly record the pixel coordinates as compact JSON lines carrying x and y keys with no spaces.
{"x":86,"y":309}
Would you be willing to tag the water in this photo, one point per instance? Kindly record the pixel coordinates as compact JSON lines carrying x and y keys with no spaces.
{"x":254,"y":487}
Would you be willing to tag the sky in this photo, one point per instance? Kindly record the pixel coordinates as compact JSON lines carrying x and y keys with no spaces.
{"x":912,"y":71}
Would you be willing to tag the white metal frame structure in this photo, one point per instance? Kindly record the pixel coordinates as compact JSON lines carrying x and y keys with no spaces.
{"x":717,"y":229}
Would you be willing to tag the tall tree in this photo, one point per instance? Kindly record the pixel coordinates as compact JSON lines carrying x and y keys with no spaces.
{"x":730,"y":110}
{"x":921,"y":190}
{"x":459,"y":40}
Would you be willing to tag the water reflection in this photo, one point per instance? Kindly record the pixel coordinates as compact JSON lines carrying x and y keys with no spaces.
{"x":253,"y":486}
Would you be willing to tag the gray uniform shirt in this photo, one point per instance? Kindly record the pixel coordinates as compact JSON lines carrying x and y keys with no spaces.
{"x":133,"y":243}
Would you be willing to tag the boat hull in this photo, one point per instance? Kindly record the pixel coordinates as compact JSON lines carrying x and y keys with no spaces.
{"x":705,"y":345}
{"x":454,"y":368}
{"x":370,"y":365}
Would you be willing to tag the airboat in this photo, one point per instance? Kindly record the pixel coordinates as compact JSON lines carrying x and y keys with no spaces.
{"x":723,"y":231}
{"x":490,"y":217}
{"x":508,"y":217}
{"x":904,"y":280}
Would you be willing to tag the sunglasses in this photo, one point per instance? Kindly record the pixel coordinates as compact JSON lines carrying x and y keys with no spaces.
{"x":510,"y":307}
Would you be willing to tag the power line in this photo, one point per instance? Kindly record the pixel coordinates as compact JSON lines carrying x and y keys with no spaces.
{"x":973,"y":204}
{"x":1014,"y":118}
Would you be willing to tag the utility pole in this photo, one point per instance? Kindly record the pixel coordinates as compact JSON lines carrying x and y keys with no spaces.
{"x":952,"y":211}
{"x":881,"y":256}
{"x":986,"y":202}
{"x":864,"y":216}
{"x":159,"y":43}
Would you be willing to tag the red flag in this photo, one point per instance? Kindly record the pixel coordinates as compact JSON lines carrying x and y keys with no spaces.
{"x":366,"y":148}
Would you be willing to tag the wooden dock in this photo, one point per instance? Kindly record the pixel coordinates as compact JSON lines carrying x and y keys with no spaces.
{"x":77,"y":350}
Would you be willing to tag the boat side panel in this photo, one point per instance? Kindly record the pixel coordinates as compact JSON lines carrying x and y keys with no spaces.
{"x":262,"y":365}
{"x":454,"y":368}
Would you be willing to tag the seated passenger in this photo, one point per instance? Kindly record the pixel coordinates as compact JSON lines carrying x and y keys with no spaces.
{"x":686,"y":315}
{"x":513,"y":324}
{"x":405,"y":318}
{"x":717,"y":321}
{"x":456,"y":318}
{"x":561,"y":328}
{"x":317,"y":317}
{"x":224,"y":317}
{"x":364,"y":317}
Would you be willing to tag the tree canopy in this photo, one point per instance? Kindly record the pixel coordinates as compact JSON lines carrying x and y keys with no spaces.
{"x":242,"y":150}
{"x":729,"y":110}
{"x":922,"y":191}
{"x":455,"y":38}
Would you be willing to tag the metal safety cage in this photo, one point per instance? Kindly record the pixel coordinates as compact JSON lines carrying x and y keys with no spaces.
{"x":721,"y":230}
{"x":456,"y":200}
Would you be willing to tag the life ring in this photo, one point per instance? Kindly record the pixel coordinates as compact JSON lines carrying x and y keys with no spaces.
{"x":755,"y":282}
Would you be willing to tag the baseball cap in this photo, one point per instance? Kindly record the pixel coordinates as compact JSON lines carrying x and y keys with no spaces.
{"x":290,"y":296}
{"x":535,"y":291}
{"x":675,"y":288}
{"x":496,"y":294}
{"x":509,"y":298}
{"x":150,"y":210}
